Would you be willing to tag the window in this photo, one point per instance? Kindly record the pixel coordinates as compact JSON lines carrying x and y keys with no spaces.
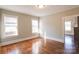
{"x":34,"y":26}
{"x":67,"y":25}
{"x":10,"y":26}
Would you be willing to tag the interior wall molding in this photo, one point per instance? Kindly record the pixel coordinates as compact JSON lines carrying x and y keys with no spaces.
{"x":19,"y":40}
{"x":55,"y":39}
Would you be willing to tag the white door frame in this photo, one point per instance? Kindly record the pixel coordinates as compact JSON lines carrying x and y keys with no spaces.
{"x":74,"y":23}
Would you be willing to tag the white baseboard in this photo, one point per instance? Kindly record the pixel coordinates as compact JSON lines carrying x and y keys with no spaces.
{"x":14,"y":41}
{"x":59,"y":40}
{"x":55,"y":39}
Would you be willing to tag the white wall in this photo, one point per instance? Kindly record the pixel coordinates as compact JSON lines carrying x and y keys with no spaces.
{"x":52,"y":25}
{"x":73,"y":20}
{"x":0,"y":25}
{"x":24,"y":25}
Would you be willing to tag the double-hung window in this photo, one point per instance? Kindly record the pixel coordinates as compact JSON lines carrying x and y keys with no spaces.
{"x":35,"y":26}
{"x":68,"y":26}
{"x":10,"y":25}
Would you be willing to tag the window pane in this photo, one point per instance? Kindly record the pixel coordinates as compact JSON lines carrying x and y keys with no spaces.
{"x":68,"y":26}
{"x":10,"y":24}
{"x":34,"y":26}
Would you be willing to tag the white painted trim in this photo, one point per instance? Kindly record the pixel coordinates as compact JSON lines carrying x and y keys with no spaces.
{"x":14,"y":41}
{"x":59,"y":40}
{"x":55,"y":39}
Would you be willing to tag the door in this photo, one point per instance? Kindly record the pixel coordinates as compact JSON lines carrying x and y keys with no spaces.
{"x":69,"y":24}
{"x":68,"y":27}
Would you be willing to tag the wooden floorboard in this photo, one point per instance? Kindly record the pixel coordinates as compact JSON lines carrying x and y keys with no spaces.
{"x":34,"y":46}
{"x":42,"y":46}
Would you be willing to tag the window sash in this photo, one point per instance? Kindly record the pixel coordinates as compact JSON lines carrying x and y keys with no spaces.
{"x":35,"y":26}
{"x":10,"y":26}
{"x":68,"y":26}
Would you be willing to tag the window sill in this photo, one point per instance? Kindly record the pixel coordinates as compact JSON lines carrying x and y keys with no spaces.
{"x":10,"y":36}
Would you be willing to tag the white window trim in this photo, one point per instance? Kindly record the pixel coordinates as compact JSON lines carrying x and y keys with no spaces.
{"x":2,"y":26}
{"x":70,"y":27}
{"x":38,"y":27}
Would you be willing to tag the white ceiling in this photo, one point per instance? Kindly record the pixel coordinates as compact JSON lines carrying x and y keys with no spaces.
{"x":31,"y":10}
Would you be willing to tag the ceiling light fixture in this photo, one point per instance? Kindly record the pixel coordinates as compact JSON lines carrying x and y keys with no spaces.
{"x":40,"y":6}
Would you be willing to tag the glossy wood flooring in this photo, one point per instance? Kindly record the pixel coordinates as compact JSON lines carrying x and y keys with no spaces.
{"x":42,"y":46}
{"x":34,"y":46}
{"x":69,"y":46}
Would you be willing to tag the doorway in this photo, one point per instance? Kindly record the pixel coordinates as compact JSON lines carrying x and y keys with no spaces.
{"x":69,"y":24}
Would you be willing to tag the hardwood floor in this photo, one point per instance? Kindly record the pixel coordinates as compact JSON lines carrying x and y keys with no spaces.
{"x":69,"y":46}
{"x":34,"y":46}
{"x":41,"y":46}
